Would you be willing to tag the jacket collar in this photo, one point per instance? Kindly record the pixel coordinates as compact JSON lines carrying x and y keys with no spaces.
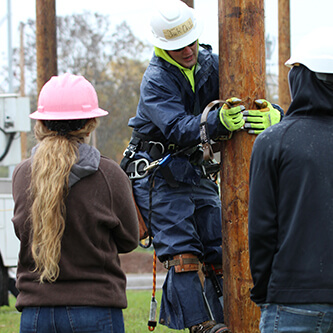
{"x":187,"y":72}
{"x":204,"y":62}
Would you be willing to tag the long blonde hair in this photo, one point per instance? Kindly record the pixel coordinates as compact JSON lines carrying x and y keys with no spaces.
{"x":51,"y":166}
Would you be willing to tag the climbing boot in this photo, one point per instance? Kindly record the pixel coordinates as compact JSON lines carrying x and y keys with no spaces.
{"x":209,"y":327}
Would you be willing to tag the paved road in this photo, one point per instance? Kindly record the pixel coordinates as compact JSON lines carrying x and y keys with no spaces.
{"x":144,"y":281}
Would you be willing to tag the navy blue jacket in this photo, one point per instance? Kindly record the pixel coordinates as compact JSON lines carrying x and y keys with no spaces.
{"x":291,"y":199}
{"x":169,"y":111}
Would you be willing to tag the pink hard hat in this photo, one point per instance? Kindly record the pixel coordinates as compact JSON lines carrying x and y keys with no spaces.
{"x":66,"y":97}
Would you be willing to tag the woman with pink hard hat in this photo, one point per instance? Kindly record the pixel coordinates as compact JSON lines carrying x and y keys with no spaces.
{"x":73,"y":214}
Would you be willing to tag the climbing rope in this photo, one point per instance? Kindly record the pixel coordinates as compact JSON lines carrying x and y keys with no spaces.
{"x":153,"y":304}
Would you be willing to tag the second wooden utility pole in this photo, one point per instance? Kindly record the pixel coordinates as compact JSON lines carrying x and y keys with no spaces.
{"x":242,"y":74}
{"x":46,"y":41}
{"x":22,"y":89}
{"x":284,"y":53}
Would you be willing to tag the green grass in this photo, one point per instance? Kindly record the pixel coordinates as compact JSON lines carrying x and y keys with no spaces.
{"x":136,"y":315}
{"x":9,"y":317}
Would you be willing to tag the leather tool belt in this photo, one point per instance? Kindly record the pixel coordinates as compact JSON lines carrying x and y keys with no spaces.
{"x":185,"y":262}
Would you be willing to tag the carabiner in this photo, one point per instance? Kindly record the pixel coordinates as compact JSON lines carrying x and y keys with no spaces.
{"x":137,"y":169}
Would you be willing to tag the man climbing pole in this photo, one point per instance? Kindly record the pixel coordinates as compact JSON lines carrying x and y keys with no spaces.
{"x":174,"y":187}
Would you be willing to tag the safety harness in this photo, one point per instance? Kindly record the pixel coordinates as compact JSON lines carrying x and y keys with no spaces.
{"x":161,"y":153}
{"x":139,"y":168}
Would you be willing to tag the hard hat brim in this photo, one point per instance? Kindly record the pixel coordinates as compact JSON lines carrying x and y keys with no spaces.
{"x":55,"y":115}
{"x":322,"y":64}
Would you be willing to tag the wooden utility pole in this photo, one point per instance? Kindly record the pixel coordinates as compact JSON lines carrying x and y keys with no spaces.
{"x":22,"y":62}
{"x":22,"y":89}
{"x":284,"y":53}
{"x":46,"y":41}
{"x":242,"y":74}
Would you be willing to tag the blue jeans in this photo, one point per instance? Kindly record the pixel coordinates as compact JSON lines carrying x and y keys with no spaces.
{"x":71,"y":319}
{"x":293,"y":318}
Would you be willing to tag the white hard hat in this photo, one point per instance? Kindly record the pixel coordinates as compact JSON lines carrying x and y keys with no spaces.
{"x":174,"y":25}
{"x":315,"y":51}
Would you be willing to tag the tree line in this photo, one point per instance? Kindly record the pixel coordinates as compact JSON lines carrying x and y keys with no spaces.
{"x":113,"y":61}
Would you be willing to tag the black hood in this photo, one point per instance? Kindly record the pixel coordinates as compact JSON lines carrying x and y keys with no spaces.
{"x":308,"y":93}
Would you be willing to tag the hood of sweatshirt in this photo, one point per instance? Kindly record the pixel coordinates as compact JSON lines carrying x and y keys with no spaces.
{"x":89,"y":159}
{"x":309,"y":94}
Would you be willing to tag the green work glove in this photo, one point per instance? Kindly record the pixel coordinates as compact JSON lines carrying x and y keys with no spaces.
{"x":231,"y":115}
{"x":258,"y":120}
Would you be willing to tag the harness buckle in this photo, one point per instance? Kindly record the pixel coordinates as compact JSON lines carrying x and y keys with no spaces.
{"x":130,"y":151}
{"x":166,"y":264}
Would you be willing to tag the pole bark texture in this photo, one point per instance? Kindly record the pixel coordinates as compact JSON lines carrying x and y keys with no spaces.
{"x":242,"y":74}
{"x":284,"y":53}
{"x":46,"y":41}
{"x":22,"y":89}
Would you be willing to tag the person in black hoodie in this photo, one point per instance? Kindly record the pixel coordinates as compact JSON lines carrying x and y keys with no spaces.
{"x":291,"y":200}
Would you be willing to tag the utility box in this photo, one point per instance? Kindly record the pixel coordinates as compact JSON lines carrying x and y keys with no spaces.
{"x":9,"y":243}
{"x":14,"y":118}
{"x":14,"y":113}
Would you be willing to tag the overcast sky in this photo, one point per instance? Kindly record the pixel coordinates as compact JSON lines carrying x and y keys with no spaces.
{"x":305,"y":15}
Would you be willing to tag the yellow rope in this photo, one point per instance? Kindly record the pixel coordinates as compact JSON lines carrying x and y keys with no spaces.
{"x":154,"y":274}
{"x":153,"y":304}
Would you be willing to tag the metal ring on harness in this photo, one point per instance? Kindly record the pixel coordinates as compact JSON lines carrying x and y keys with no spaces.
{"x":208,"y":153}
{"x":136,"y":169}
{"x":160,"y":144}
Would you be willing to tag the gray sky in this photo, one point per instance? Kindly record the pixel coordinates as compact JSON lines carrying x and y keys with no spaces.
{"x":305,"y":15}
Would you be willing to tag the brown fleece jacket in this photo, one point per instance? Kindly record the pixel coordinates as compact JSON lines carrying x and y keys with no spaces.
{"x":101,"y":222}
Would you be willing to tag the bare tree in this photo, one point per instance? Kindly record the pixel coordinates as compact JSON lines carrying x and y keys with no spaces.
{"x":113,"y":61}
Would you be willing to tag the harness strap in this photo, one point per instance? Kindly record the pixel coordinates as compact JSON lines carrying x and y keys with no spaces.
{"x":185,"y":262}
{"x":154,"y":147}
{"x":208,"y":148}
{"x":129,"y":152}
